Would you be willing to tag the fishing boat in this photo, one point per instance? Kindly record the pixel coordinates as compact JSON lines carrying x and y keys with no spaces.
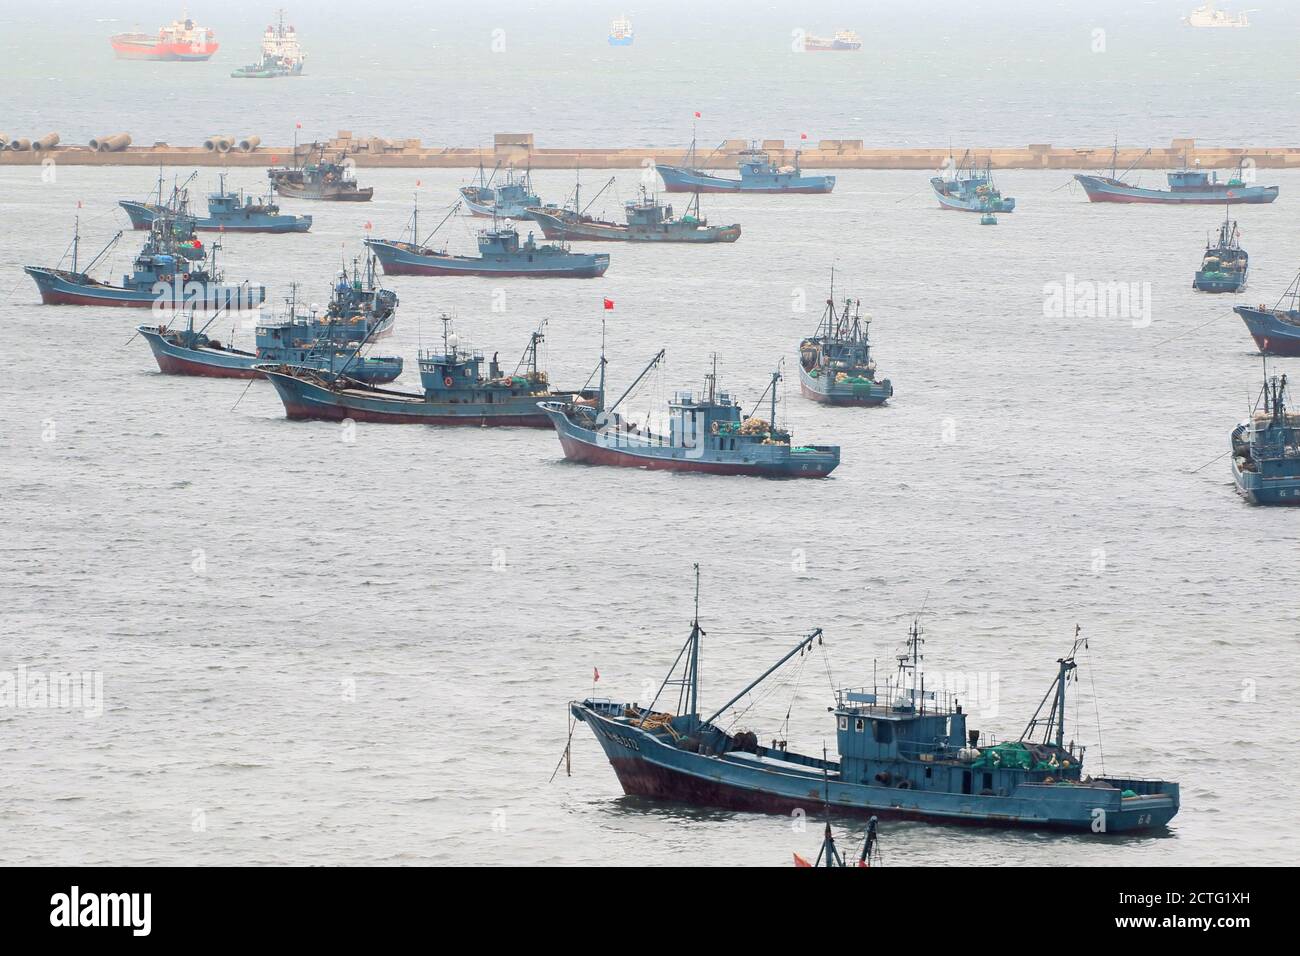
{"x":903,"y":752}
{"x":1275,"y":330}
{"x":842,"y":40}
{"x":620,"y":32}
{"x":706,"y":433}
{"x":179,"y":40}
{"x":1207,"y":15}
{"x":323,"y":179}
{"x":227,"y":211}
{"x":457,"y":390}
{"x":648,"y":220}
{"x":281,"y":54}
{"x":359,"y":313}
{"x":970,"y":189}
{"x":174,"y":270}
{"x":500,"y":253}
{"x":1224,"y":265}
{"x":513,"y":198}
{"x":1187,"y":186}
{"x":835,"y":363}
{"x":1266,"y":449}
{"x":758,"y":174}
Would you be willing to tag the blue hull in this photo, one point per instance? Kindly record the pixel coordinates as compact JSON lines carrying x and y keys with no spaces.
{"x":1101,"y":189}
{"x":1275,"y":332}
{"x":174,"y":358}
{"x":1204,"y":283}
{"x":68,"y":288}
{"x":142,"y":217}
{"x":649,"y":763}
{"x":1259,"y":490}
{"x":863,"y":394}
{"x":678,"y":179}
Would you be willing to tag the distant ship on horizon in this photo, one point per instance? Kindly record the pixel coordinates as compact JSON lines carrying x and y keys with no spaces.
{"x":281,"y":54}
{"x":179,"y":40}
{"x":620,"y":32}
{"x":842,"y":40}
{"x":1209,"y":16}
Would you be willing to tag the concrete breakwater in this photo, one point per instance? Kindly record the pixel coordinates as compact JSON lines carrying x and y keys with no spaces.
{"x":518,"y":149}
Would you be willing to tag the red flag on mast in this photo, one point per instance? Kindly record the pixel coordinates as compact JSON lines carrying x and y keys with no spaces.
{"x":595,"y":674}
{"x":609,"y":304}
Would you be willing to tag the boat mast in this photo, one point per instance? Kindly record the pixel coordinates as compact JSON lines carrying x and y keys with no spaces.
{"x":653,"y":362}
{"x":76,"y":240}
{"x":805,"y":642}
{"x":1055,"y":720}
{"x":694,"y":663}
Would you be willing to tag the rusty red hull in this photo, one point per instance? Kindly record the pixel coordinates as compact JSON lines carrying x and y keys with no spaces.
{"x":174,"y":365}
{"x":336,"y":413}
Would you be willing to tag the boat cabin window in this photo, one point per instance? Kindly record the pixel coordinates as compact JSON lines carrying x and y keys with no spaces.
{"x":859,"y":725}
{"x":844,"y":723}
{"x":882,"y":731}
{"x":988,"y":781}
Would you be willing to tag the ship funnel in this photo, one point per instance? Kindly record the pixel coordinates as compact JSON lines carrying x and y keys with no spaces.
{"x":46,"y":142}
{"x":249,"y":143}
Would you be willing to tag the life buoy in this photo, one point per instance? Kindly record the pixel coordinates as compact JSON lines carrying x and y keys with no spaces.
{"x":448,"y":381}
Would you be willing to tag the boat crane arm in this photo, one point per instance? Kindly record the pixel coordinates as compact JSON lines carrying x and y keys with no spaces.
{"x":635,"y":382}
{"x":804,"y":642}
{"x":608,"y":183}
{"x":103,"y":252}
{"x":451,"y":212}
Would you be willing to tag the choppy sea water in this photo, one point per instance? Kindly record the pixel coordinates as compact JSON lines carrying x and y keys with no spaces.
{"x":316,"y":650}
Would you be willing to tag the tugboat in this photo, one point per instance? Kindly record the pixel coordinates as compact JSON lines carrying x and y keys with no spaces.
{"x":513,"y":199}
{"x":227,"y":212}
{"x":647,"y":221}
{"x":325,"y":180}
{"x":1266,"y":449}
{"x":1187,"y":186}
{"x":179,"y":40}
{"x":1224,"y":265}
{"x":835,"y":365}
{"x":1277,"y":330}
{"x":758,"y":174}
{"x":328,"y":344}
{"x":456,"y":391}
{"x":281,"y":55}
{"x":500,"y":254}
{"x":706,"y":434}
{"x":971,"y":190}
{"x":904,"y":752}
{"x":172,"y":271}
{"x":620,"y":32}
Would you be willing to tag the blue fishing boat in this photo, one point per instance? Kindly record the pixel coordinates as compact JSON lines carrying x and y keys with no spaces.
{"x":706,"y":433}
{"x":500,"y":253}
{"x":1266,"y":449}
{"x":835,"y":363}
{"x":326,"y":179}
{"x":758,"y":174}
{"x":971,"y":190}
{"x":1276,"y":330}
{"x":358,"y":313}
{"x":1187,"y":186}
{"x":1224,"y":265}
{"x":458,"y":389}
{"x":174,"y":270}
{"x":648,"y":220}
{"x":227,"y":212}
{"x":904,"y":752}
{"x":511,"y":199}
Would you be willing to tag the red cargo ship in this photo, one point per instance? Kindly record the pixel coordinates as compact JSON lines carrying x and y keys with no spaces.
{"x":181,"y":40}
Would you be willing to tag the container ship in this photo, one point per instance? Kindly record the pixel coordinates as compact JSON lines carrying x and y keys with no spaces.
{"x":179,"y":40}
